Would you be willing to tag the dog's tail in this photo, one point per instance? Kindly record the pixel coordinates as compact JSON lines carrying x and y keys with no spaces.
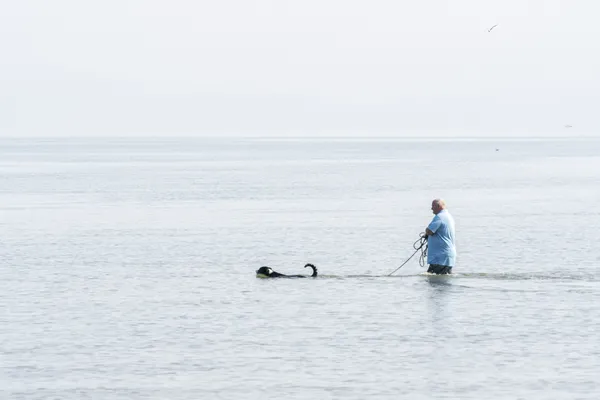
{"x":314,"y":274}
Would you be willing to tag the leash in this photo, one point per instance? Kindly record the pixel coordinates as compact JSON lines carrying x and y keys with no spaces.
{"x":420,"y":244}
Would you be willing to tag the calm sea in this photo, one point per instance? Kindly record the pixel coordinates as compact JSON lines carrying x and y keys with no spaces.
{"x":127,"y":269}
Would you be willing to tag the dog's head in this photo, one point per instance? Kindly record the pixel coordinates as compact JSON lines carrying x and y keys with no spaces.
{"x":264,"y":272}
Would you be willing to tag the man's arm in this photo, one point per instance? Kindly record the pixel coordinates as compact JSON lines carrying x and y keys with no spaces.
{"x":433,"y":226}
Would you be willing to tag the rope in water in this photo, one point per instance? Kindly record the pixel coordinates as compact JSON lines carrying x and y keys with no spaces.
{"x":420,"y":244}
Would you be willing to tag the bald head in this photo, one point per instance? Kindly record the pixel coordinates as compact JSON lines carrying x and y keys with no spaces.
{"x":438,"y":205}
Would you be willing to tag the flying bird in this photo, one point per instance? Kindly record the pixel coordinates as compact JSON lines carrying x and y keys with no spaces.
{"x":489,"y":30}
{"x":568,"y":126}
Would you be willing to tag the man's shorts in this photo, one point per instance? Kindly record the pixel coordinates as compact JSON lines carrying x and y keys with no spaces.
{"x":439,"y":269}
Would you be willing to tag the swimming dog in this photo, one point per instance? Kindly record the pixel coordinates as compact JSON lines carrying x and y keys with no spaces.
{"x":267,"y":272}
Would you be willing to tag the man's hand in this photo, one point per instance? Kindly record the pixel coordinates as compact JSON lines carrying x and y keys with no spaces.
{"x":428,"y":232}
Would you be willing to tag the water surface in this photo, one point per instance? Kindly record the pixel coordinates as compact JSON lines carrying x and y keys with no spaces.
{"x":127,"y":269}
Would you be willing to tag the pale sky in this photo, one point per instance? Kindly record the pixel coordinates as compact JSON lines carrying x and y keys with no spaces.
{"x":296,"y":68}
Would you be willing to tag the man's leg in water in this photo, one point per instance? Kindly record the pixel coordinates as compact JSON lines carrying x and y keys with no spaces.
{"x":439,"y":269}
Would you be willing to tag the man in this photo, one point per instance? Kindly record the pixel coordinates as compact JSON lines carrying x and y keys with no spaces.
{"x":441,"y":251}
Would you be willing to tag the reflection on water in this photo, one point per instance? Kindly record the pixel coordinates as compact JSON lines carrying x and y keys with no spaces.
{"x":439,"y":281}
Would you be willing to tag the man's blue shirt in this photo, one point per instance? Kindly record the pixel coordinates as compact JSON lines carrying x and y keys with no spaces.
{"x":441,"y":249}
